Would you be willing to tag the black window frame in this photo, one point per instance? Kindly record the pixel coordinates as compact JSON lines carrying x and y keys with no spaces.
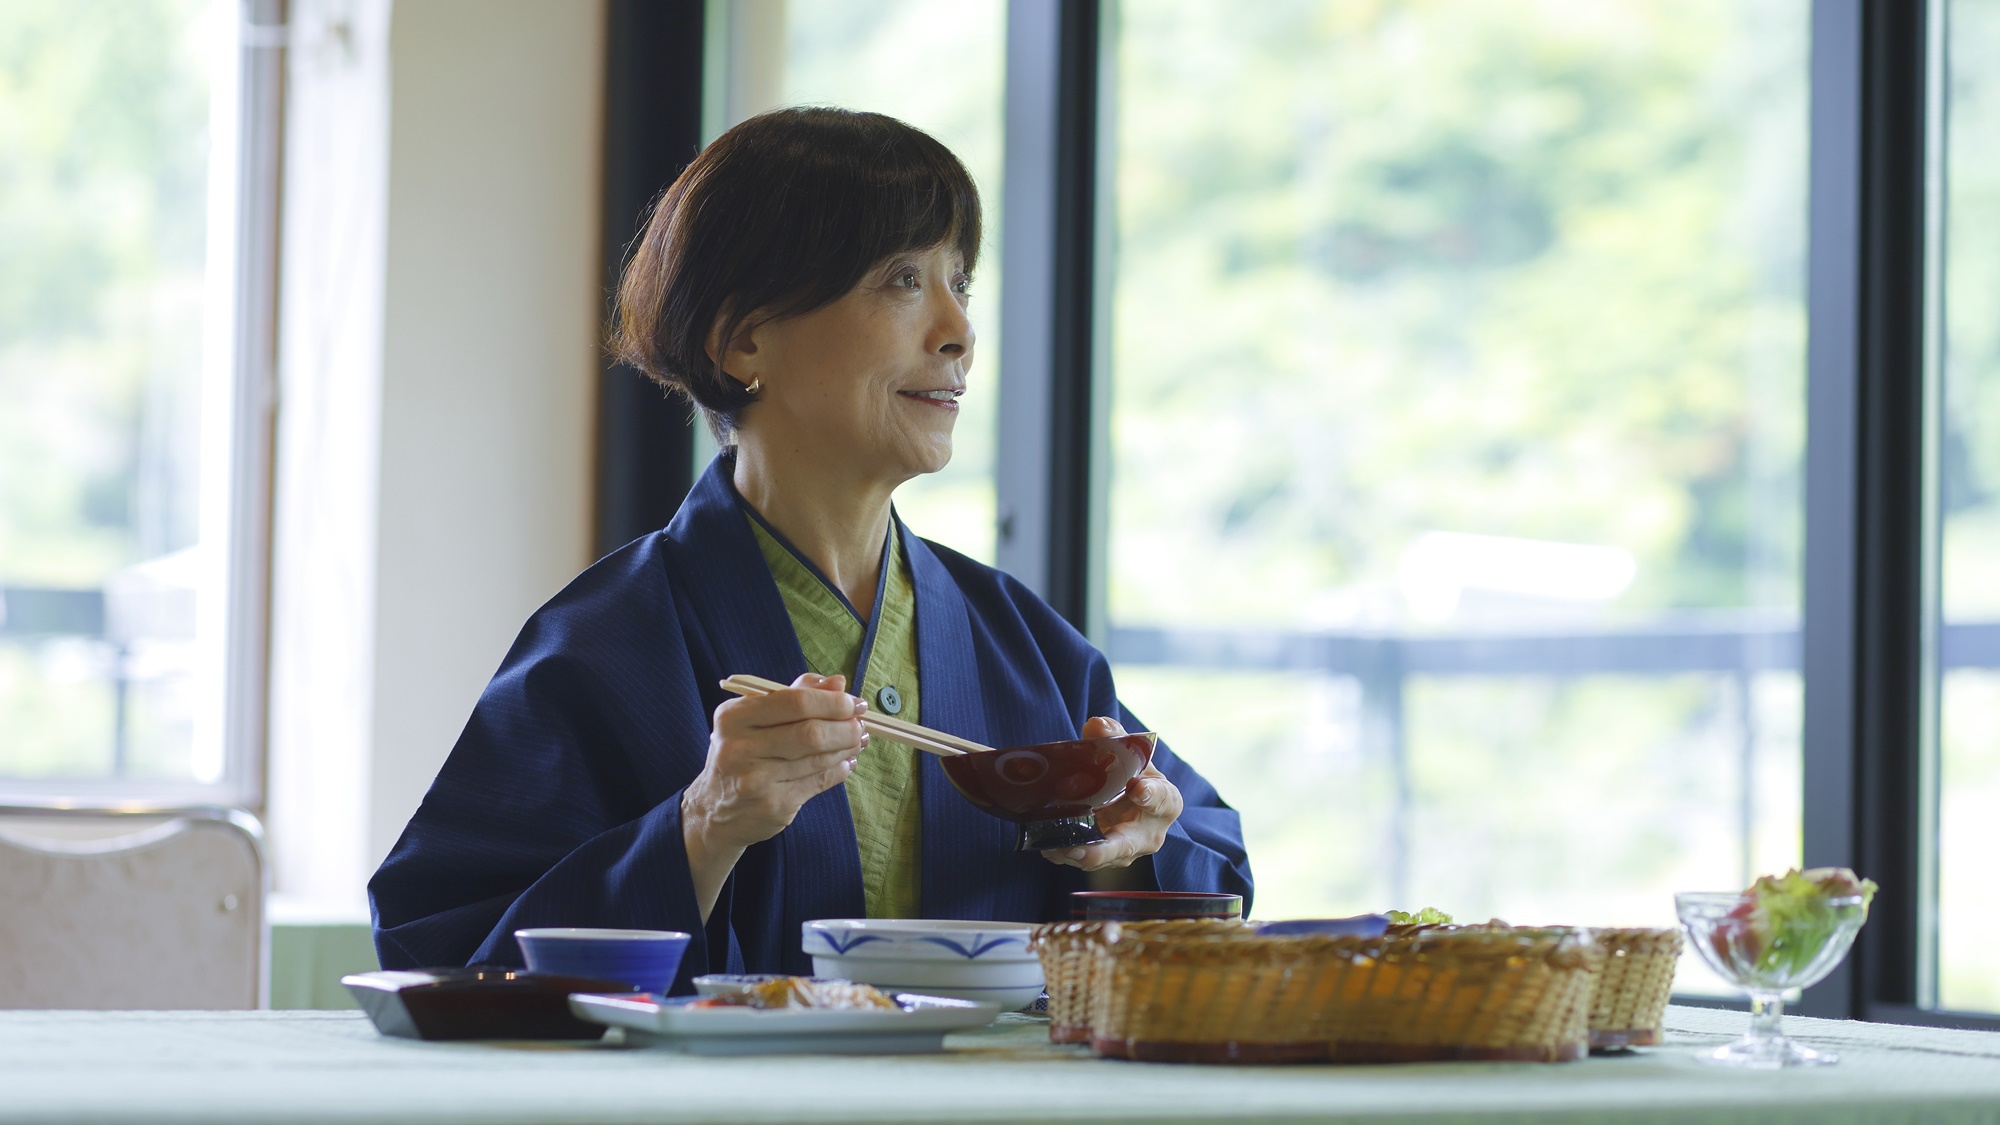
{"x":652,"y":130}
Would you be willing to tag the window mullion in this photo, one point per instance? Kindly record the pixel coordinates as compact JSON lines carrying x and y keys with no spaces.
{"x":652,"y":128}
{"x":1049,"y":405}
{"x":1864,"y":481}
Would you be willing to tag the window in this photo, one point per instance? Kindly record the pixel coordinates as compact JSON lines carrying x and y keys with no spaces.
{"x":1457,"y":362}
{"x":1419,"y":418}
{"x":939,"y":66}
{"x":1968,"y":469}
{"x":123,"y":579}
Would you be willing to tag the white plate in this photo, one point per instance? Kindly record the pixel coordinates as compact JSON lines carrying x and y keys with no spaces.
{"x":919,"y":1027}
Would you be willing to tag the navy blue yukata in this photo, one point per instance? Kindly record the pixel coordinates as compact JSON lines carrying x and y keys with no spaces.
{"x":560,"y":804}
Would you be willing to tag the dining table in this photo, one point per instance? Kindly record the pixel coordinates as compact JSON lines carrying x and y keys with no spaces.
{"x":333,"y":1066}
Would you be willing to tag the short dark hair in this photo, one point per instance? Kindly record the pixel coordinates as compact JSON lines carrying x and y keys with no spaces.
{"x":780,"y":215}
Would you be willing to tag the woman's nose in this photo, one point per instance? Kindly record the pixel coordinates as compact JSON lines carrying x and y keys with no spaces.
{"x":951,"y":333}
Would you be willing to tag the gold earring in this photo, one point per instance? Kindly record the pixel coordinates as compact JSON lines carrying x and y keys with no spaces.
{"x":756,"y":384}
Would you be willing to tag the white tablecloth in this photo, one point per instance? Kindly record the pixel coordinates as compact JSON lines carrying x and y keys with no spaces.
{"x":333,"y":1067}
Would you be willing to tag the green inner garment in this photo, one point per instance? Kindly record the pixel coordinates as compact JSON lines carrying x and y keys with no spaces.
{"x":882,"y":792}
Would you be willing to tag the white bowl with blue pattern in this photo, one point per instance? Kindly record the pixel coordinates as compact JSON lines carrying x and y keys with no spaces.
{"x":962,"y":960}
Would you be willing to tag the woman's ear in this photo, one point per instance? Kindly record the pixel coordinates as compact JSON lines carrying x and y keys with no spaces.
{"x":737,"y":355}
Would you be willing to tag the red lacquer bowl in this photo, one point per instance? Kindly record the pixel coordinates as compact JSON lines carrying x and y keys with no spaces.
{"x":1051,"y":789}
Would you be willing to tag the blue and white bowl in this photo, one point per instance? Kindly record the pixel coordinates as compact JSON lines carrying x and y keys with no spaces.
{"x":644,"y":959}
{"x":962,"y":960}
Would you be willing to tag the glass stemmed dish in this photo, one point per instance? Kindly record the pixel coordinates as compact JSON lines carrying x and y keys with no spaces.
{"x":1766,"y":960}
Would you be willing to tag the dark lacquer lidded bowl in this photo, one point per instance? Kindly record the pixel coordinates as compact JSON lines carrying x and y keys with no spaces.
{"x":1154,"y":906}
{"x":1052,"y":789}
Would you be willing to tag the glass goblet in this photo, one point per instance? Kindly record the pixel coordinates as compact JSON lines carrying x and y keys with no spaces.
{"x":1797,"y":953}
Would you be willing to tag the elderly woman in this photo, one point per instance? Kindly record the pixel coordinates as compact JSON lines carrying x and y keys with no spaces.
{"x":805,"y":283}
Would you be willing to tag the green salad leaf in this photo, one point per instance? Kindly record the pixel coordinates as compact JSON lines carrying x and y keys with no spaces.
{"x":1428,"y":916}
{"x":1791,"y":916}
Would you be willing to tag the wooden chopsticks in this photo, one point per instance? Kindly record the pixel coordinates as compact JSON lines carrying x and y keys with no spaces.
{"x":923,"y":738}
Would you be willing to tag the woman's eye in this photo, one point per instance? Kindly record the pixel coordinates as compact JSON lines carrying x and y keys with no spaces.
{"x":962,"y":286}
{"x":907,"y":279}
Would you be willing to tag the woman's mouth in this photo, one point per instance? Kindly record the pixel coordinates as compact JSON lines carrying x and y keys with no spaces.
{"x":946,"y":398}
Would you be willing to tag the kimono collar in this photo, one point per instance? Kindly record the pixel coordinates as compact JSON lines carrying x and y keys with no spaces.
{"x":732,"y":589}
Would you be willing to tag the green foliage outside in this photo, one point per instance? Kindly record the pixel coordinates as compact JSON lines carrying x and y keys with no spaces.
{"x":103,"y":181}
{"x":1522,"y":270}
{"x":1969,"y":819}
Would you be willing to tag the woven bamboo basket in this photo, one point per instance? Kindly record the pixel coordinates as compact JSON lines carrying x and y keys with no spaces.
{"x":1069,"y":961}
{"x":1628,"y":1000}
{"x":1071,"y":954}
{"x":1474,"y":993}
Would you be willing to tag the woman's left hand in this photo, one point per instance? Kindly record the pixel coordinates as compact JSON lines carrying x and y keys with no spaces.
{"x":1134,"y":825}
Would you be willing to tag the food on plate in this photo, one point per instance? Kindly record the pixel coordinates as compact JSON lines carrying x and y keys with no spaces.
{"x":800,"y":992}
{"x":1428,"y":916}
{"x":1785,"y":919}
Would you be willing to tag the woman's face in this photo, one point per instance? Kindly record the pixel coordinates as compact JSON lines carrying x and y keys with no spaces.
{"x":870,"y":383}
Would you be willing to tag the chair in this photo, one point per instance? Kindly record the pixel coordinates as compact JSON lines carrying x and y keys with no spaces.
{"x":164,"y":908}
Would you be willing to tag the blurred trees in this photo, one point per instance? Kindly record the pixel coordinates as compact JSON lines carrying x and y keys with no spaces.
{"x":103,"y":195}
{"x":1532,"y":270}
{"x":104,"y":117}
{"x":1529,"y":269}
{"x":1969,"y":820}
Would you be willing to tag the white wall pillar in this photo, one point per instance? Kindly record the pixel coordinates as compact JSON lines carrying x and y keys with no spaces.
{"x":438,"y":487}
{"x":492,"y":347}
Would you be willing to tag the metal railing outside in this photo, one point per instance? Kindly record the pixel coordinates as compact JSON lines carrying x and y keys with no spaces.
{"x":1737,"y":645}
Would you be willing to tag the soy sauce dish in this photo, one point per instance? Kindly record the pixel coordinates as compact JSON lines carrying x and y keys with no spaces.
{"x":1052,"y":789}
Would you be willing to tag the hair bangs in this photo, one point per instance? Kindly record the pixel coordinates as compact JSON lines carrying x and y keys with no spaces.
{"x":896,"y":191}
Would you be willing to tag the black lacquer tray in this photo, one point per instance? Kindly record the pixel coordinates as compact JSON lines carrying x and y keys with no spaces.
{"x":476,"y":1002}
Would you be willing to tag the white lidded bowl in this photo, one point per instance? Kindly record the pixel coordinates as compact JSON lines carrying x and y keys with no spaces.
{"x":962,"y":960}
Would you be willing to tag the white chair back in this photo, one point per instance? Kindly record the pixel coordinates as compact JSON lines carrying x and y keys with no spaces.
{"x":168,"y":916}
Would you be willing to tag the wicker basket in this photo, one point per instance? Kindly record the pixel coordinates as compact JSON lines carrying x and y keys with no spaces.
{"x":1628,"y":1000}
{"x":1432,"y":995}
{"x":1069,"y":961}
{"x":1071,"y":955}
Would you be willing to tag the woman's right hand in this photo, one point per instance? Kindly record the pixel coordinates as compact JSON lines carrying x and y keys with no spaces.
{"x":768,"y":756}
